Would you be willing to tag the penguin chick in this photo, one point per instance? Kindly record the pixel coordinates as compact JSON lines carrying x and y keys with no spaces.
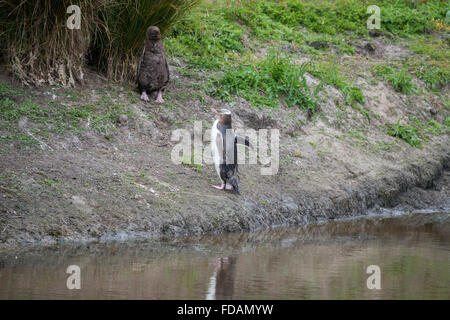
{"x":153,"y":71}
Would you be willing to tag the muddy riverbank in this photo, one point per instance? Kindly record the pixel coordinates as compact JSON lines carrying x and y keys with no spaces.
{"x":94,"y":162}
{"x":114,"y":208}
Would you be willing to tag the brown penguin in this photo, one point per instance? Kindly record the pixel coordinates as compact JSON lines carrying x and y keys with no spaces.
{"x":153,"y":71}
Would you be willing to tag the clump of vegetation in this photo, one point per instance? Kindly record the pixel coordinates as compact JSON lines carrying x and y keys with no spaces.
{"x":38,"y":46}
{"x":434,"y":78}
{"x":430,"y":127}
{"x":399,"y":17}
{"x":192,"y":163}
{"x":115,"y":51}
{"x":400,"y":80}
{"x":435,"y":128}
{"x":329,"y":74}
{"x":406,"y":133}
{"x":40,"y":49}
{"x":264,"y":82}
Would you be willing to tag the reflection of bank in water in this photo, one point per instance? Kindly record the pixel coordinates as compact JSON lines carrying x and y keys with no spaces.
{"x":325,"y":260}
{"x":221,"y":284}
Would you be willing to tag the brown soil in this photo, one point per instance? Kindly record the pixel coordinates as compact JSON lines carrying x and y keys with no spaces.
{"x":126,"y":186}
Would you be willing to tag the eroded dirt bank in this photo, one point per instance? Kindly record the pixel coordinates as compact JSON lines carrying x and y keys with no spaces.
{"x":93,"y":183}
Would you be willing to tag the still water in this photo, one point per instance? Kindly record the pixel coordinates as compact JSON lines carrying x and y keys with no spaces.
{"x":325,"y":260}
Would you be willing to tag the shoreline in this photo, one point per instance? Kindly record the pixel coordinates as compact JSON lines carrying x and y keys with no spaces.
{"x":361,"y":200}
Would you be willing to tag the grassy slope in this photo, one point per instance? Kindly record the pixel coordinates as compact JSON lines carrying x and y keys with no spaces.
{"x":345,"y":114}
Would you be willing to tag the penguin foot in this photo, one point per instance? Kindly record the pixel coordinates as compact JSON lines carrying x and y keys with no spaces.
{"x":160,"y":99}
{"x":221,"y":187}
{"x":144,"y":97}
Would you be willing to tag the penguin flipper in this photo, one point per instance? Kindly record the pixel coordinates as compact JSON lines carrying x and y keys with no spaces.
{"x":243,"y":141}
{"x":139,"y":65}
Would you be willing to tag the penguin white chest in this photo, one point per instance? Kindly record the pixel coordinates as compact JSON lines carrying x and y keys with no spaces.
{"x":216,"y":146}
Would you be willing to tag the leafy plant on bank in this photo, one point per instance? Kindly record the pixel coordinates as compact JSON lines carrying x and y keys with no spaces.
{"x":406,"y":133}
{"x":263,"y":83}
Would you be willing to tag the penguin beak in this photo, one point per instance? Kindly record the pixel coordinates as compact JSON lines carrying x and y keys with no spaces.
{"x":214,"y":110}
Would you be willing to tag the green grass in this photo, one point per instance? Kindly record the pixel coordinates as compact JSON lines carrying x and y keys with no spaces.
{"x":7,"y":90}
{"x":206,"y":38}
{"x":434,"y":78}
{"x":191,"y":163}
{"x":406,"y":133}
{"x":53,"y":183}
{"x":210,"y":36}
{"x":264,"y":82}
{"x":435,"y":128}
{"x":432,"y":65}
{"x":329,"y":73}
{"x":430,"y":127}
{"x":401,"y":80}
{"x":436,"y":48}
{"x":18,"y":139}
{"x":340,"y":16}
{"x":55,"y":118}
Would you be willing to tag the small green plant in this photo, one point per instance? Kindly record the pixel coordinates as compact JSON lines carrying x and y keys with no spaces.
{"x":329,"y":74}
{"x":401,"y":81}
{"x":7,"y":90}
{"x":53,"y":182}
{"x":433,"y":77}
{"x":431,"y":127}
{"x":435,"y":128}
{"x":365,"y":112}
{"x":381,"y":145}
{"x":191,"y":163}
{"x":406,"y":133}
{"x":265,"y":82}
{"x":447,"y":122}
{"x":352,"y":94}
{"x":142,"y":175}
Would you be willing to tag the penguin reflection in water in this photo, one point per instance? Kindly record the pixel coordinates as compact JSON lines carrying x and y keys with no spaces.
{"x":224,"y":150}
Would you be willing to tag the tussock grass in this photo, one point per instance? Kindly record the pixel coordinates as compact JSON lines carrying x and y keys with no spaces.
{"x":38,"y":46}
{"x":118,"y":44}
{"x":40,"y":49}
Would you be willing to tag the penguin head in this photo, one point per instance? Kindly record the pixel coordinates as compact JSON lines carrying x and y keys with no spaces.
{"x":224,"y":115}
{"x":153,"y":33}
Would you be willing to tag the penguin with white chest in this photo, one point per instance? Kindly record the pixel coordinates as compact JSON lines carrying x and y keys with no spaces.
{"x":224,"y":151}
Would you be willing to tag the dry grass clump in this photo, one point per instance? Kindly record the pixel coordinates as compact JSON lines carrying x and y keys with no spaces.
{"x":39,"y":48}
{"x":119,"y":44}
